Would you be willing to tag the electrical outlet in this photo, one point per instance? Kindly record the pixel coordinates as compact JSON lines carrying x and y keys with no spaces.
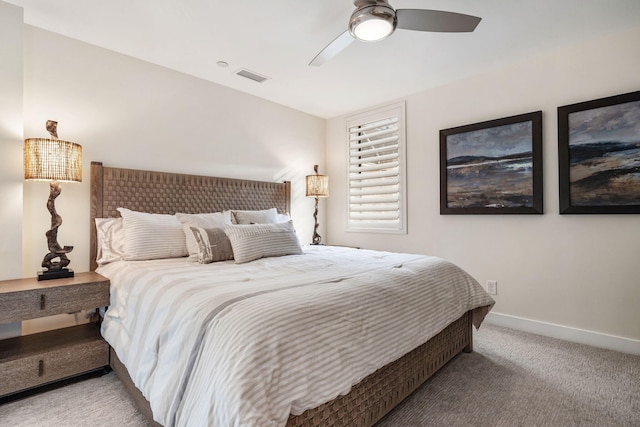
{"x":492,"y":287}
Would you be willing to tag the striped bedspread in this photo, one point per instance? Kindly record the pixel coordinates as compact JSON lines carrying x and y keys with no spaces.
{"x":245,"y":345}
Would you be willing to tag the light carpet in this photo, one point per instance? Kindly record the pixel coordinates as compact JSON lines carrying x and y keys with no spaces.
{"x":511,"y":379}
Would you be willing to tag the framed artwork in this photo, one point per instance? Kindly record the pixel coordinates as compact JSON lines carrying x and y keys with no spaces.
{"x":492,"y":167}
{"x":599,"y":155}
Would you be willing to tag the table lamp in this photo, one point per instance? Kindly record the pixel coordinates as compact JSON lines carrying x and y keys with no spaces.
{"x":53,"y":160}
{"x":317,"y":186}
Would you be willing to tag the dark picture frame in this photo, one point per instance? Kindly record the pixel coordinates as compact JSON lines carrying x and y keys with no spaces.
{"x":492,"y":167}
{"x":599,"y":156}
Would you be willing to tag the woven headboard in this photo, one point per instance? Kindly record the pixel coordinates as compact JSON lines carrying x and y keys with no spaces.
{"x":168,"y":193}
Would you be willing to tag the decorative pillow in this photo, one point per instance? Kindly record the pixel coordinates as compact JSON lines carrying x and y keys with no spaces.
{"x":110,"y":234}
{"x":254,"y":241}
{"x":205,"y":220}
{"x":152,"y":236}
{"x":213,"y":245}
{"x":267,"y":216}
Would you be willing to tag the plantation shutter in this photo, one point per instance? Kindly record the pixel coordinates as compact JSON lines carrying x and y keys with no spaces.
{"x":376,"y":170}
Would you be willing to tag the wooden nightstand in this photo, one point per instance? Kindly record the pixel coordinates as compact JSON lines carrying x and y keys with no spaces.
{"x":34,"y":360}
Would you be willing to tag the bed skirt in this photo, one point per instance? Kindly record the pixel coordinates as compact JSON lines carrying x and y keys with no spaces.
{"x":372,"y":398}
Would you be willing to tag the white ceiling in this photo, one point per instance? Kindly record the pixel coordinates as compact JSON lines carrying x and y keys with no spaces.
{"x":278,"y":38}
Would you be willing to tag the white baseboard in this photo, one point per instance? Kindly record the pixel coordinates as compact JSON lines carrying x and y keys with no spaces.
{"x":624,"y":345}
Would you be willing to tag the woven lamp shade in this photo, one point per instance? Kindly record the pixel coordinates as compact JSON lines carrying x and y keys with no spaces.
{"x":317,"y":186}
{"x":52,"y":160}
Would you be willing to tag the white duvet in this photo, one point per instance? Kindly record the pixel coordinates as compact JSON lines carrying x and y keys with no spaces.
{"x":245,"y":345}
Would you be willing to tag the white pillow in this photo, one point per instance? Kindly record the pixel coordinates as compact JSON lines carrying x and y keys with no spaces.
{"x":254,"y":241}
{"x":152,"y":236}
{"x":110,"y":236}
{"x":205,"y":220}
{"x":267,"y":216}
{"x":283,"y":217}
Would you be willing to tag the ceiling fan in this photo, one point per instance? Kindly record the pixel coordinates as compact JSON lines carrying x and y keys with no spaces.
{"x":375,"y":20}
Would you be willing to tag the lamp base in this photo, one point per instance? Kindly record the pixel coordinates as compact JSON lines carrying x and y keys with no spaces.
{"x":55,"y":274}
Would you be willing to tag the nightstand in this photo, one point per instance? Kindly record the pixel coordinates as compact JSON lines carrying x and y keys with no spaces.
{"x":34,"y":360}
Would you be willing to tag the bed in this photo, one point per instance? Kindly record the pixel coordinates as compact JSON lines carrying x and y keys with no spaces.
{"x":190,"y":394}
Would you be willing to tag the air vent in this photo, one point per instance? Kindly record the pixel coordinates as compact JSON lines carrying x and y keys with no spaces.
{"x":251,"y":75}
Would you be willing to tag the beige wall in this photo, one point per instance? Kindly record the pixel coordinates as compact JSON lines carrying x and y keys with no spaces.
{"x":11,"y":173}
{"x":130,"y":113}
{"x":578,"y":271}
{"x":11,"y":146}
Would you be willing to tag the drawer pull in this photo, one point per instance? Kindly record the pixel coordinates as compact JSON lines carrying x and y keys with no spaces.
{"x":40,"y":368}
{"x":42,"y":301}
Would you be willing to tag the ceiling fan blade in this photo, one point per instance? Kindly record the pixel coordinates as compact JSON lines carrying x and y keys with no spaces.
{"x":332,"y":49}
{"x":436,"y":21}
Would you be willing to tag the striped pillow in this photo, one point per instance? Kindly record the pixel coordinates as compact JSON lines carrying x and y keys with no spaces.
{"x":254,"y":241}
{"x":213,"y":244}
{"x":204,"y":220}
{"x":152,"y":236}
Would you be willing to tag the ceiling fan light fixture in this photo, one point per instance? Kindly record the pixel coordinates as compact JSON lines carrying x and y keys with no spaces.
{"x":373,"y":23}
{"x":375,"y":20}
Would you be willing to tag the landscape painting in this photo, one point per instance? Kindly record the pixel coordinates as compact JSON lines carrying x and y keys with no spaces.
{"x":493,"y":167}
{"x":599,"y":154}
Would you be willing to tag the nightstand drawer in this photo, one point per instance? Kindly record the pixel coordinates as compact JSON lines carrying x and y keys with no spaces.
{"x":50,"y":300}
{"x":37,"y":359}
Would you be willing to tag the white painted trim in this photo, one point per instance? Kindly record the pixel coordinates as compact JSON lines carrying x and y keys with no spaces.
{"x":611,"y":342}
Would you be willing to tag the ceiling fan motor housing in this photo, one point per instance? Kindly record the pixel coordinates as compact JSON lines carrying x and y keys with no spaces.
{"x":372,"y":20}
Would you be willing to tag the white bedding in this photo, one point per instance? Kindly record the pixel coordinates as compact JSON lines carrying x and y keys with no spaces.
{"x":246,"y":345}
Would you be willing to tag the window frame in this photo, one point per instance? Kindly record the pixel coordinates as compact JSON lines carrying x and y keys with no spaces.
{"x":399,"y":226}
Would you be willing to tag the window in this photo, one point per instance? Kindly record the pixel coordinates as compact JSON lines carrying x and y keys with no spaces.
{"x":376,"y":188}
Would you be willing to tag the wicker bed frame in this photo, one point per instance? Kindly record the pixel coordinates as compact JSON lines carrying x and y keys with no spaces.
{"x":161,"y":192}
